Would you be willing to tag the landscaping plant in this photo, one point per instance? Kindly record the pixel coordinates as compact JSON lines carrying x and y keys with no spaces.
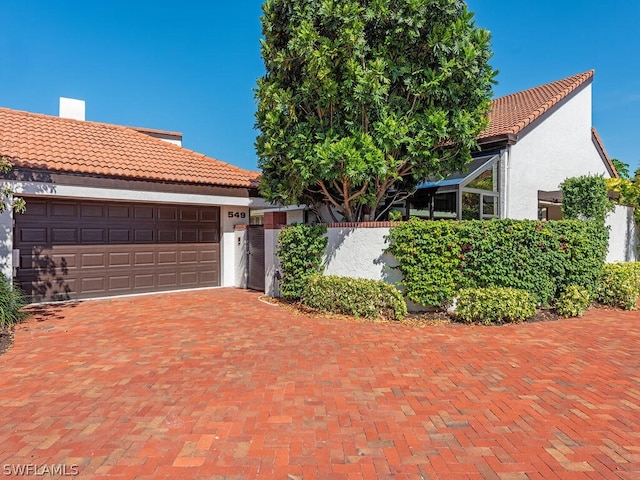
{"x":620,"y":285}
{"x":361,"y":101}
{"x":437,"y":259}
{"x":300,"y":250}
{"x":573,"y":302}
{"x":354,"y":296}
{"x":494,"y":305}
{"x":11,"y":303}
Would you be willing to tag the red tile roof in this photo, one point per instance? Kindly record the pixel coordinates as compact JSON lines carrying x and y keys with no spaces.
{"x":45,"y":142}
{"x":603,"y":153}
{"x":511,"y":114}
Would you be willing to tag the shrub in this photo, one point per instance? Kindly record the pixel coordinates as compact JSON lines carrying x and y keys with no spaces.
{"x":437,"y":259}
{"x":573,"y":302}
{"x":354,"y":296}
{"x":300,"y":249}
{"x":11,"y":302}
{"x":494,"y":305}
{"x":620,"y":285}
{"x":585,"y":198}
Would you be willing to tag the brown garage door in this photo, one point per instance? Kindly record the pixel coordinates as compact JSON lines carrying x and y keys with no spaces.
{"x":73,"y":249}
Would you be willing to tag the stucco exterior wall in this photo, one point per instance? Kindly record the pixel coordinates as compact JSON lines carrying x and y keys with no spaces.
{"x":623,"y":235}
{"x":558,"y":148}
{"x":228,"y":242}
{"x":359,"y":253}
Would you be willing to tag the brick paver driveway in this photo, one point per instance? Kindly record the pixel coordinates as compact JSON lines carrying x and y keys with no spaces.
{"x":216,"y":384}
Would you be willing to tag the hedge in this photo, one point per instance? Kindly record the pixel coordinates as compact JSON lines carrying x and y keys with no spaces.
{"x":437,"y":259}
{"x":354,"y":296}
{"x":494,"y":305}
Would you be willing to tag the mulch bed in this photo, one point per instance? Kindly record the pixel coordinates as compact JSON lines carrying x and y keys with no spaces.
{"x":6,"y":339}
{"x":413,"y":319}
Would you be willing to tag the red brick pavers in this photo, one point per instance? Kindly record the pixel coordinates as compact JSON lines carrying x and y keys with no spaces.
{"x":216,"y":384}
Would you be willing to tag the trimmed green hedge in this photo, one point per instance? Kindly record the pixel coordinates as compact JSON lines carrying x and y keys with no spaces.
{"x":437,"y":259}
{"x":620,"y":285}
{"x":300,"y":249}
{"x":354,"y":296}
{"x":494,"y":305}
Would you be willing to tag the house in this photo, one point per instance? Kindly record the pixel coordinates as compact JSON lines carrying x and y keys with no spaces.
{"x":116,"y":210}
{"x":535,"y":140}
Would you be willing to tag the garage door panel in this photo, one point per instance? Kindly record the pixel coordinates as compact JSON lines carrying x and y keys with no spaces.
{"x":143,"y":212}
{"x":208,"y":256}
{"x":169,"y":257}
{"x":63,"y":210}
{"x":168,"y":279}
{"x":188,"y":256}
{"x":143,"y":280}
{"x":37,"y":235}
{"x":93,"y":284}
{"x":92,"y":260}
{"x":119,"y":259}
{"x":188,"y":235}
{"x":68,"y":236}
{"x":144,"y":235}
{"x":92,"y":235}
{"x":167,"y":236}
{"x":188,"y":279}
{"x":119,"y":235}
{"x":119,"y":283}
{"x":168,"y":213}
{"x":92,"y":249}
{"x":144,"y":258}
{"x":91,"y":211}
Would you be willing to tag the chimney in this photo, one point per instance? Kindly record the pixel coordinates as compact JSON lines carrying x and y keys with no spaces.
{"x":71,"y":108}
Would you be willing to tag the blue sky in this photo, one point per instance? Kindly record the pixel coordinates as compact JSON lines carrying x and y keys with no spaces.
{"x":191,"y":66}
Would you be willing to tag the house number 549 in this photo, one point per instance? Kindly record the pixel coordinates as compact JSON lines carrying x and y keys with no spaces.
{"x":236,"y":215}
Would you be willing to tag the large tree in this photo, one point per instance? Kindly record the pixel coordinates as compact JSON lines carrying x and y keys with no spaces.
{"x":363,"y":99}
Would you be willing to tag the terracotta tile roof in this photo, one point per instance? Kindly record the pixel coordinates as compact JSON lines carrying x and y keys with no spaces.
{"x":45,"y":142}
{"x":511,"y":114}
{"x":603,"y":153}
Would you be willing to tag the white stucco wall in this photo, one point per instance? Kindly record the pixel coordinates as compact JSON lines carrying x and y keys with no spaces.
{"x":623,"y":236}
{"x":240,"y":254}
{"x":359,"y":253}
{"x":558,"y":148}
{"x":230,"y":217}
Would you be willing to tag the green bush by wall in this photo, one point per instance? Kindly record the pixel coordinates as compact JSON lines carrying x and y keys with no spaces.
{"x":437,"y":259}
{"x":354,"y":296}
{"x":494,"y":305}
{"x":620,"y":285}
{"x":300,"y":249}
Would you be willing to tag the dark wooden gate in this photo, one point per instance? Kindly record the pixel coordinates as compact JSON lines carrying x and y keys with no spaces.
{"x":255,"y":260}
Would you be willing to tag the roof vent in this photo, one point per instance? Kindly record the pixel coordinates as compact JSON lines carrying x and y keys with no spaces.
{"x":71,"y":108}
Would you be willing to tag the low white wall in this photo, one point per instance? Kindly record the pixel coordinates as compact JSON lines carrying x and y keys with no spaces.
{"x":358,"y":252}
{"x":623,"y":235}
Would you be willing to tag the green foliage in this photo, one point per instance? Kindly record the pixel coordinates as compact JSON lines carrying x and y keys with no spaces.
{"x":585,"y":198}
{"x":11,"y":302}
{"x":7,"y":198}
{"x":573,"y":302}
{"x":437,"y":259}
{"x":300,"y":249}
{"x":494,"y":305}
{"x":361,"y":97}
{"x":629,"y":190}
{"x":620,"y":285}
{"x":621,"y":167}
{"x":354,"y":296}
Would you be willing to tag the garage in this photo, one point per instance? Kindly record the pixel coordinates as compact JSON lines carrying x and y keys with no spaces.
{"x":77,"y":249}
